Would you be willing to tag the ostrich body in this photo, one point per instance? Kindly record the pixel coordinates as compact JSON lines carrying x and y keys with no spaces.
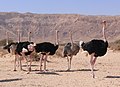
{"x":96,"y":48}
{"x":45,"y":49}
{"x":21,"y":49}
{"x":70,"y":49}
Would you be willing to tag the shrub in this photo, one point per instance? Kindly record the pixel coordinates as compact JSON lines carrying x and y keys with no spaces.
{"x":115,"y":45}
{"x":3,"y":42}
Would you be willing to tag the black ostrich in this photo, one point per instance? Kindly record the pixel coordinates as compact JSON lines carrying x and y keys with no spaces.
{"x":21,"y":49}
{"x":45,"y":49}
{"x":70,"y":49}
{"x":96,"y":48}
{"x":25,"y":49}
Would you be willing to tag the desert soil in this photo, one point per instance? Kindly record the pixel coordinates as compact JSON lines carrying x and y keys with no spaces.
{"x":107,"y":71}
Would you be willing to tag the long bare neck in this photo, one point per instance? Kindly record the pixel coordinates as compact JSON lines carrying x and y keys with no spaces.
{"x":103,"y":30}
{"x":56,"y":39}
{"x":29,"y":36}
{"x":19,"y":36}
{"x":71,"y":37}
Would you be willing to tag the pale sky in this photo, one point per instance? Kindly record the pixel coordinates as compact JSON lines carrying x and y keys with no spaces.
{"x":84,"y":7}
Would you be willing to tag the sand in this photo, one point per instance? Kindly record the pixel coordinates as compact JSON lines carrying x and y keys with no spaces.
{"x":107,"y":71}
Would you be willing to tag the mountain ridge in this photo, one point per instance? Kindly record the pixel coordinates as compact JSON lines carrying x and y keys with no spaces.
{"x":43,"y":26}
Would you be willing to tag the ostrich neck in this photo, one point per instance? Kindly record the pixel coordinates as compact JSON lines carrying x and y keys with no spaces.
{"x":29,"y":36}
{"x":19,"y":35}
{"x":71,"y":39}
{"x":104,"y":35}
{"x":56,"y":41}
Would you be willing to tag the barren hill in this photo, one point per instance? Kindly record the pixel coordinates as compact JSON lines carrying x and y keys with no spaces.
{"x":42,"y":26}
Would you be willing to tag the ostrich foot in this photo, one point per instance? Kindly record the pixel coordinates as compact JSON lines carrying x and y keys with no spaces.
{"x":68,"y":70}
{"x":14,"y":70}
{"x":93,"y":75}
{"x":28,"y":72}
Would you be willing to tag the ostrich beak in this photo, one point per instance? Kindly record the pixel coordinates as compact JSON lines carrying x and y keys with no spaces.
{"x":104,"y":21}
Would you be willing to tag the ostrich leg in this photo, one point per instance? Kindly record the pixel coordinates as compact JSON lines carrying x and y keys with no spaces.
{"x":41,"y":58}
{"x":15,"y":62}
{"x":45,"y":61}
{"x":92,"y":62}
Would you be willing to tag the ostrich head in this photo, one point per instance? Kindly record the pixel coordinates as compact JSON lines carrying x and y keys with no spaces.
{"x":31,"y":46}
{"x":104,"y":24}
{"x":104,"y":21}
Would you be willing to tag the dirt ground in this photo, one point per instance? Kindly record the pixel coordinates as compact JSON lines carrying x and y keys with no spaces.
{"x":107,"y":70}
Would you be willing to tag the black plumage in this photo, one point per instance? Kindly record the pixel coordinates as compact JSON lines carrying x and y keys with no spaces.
{"x":99,"y":47}
{"x":46,"y":47}
{"x":18,"y":47}
{"x":22,"y":45}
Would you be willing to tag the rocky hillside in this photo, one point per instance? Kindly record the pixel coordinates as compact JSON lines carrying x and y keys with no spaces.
{"x":42,"y":26}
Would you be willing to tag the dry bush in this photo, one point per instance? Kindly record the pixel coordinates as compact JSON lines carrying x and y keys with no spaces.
{"x":3,"y":42}
{"x":115,"y":45}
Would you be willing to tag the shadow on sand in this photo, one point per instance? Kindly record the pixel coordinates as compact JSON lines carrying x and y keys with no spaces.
{"x":48,"y":73}
{"x":31,"y":65}
{"x":112,"y":77}
{"x":10,"y":80}
{"x":75,"y":70}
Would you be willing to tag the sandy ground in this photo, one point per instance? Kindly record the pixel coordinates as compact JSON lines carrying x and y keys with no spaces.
{"x":107,"y":72}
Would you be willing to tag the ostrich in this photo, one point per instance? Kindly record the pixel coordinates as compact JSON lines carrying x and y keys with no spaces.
{"x":25,"y":49}
{"x":96,"y":48}
{"x":21,"y":49}
{"x":70,"y":49}
{"x":45,"y":49}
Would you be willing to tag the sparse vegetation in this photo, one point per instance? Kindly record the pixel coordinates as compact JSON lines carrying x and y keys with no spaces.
{"x":115,"y":45}
{"x":3,"y":42}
